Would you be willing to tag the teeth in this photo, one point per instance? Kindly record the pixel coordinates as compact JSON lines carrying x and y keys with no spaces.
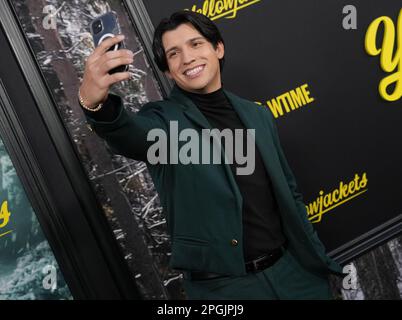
{"x":194,"y":71}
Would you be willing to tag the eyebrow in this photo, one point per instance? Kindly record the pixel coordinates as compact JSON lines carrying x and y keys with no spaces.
{"x":190,"y":40}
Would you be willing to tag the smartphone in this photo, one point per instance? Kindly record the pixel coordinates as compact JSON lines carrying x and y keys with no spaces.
{"x":104,"y":27}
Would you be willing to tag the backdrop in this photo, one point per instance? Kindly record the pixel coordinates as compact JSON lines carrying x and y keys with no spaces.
{"x":309,"y":62}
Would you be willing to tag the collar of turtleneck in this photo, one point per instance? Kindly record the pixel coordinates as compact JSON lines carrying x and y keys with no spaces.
{"x":215,"y":99}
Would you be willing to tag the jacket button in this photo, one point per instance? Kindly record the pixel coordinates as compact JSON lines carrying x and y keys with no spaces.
{"x":234,"y":242}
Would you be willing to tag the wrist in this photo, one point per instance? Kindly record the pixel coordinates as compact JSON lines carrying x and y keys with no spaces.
{"x":88,"y":106}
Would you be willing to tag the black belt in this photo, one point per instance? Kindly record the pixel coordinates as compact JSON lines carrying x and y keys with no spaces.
{"x":264,"y":261}
{"x":258,"y":264}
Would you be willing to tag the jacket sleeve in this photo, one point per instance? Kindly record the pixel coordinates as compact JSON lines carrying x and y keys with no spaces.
{"x":301,"y":207}
{"x":125,"y":132}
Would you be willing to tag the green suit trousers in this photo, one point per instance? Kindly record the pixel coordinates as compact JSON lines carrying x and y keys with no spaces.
{"x":285,"y":280}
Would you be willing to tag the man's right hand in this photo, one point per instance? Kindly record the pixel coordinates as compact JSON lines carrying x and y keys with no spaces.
{"x":96,"y":82}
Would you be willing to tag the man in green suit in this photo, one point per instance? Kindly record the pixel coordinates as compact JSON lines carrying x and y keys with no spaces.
{"x":234,"y":236}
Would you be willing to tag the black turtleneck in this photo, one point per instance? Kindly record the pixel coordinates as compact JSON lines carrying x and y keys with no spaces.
{"x":262,"y":229}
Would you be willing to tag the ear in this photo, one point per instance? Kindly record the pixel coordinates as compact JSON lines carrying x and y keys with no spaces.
{"x":220,"y":50}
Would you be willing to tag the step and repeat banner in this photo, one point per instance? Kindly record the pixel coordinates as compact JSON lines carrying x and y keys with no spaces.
{"x":331,"y":74}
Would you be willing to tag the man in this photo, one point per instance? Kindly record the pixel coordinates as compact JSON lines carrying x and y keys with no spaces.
{"x":233,"y":236}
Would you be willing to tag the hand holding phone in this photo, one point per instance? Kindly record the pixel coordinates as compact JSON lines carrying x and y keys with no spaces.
{"x":108,"y":64}
{"x":104,"y":27}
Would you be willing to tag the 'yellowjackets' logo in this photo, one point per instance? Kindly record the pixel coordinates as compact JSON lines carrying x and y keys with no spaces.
{"x":345,"y":192}
{"x":215,"y":9}
{"x":4,"y":217}
{"x":390,"y":54}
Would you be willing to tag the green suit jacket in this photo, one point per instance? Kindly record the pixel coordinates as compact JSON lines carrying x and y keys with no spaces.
{"x":202,"y":202}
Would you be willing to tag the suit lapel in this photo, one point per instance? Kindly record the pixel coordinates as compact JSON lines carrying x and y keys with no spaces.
{"x":194,"y":114}
{"x":189,"y":108}
{"x":251,"y":120}
{"x":263,"y":140}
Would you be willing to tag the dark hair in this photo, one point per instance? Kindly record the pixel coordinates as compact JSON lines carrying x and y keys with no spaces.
{"x":204,"y":25}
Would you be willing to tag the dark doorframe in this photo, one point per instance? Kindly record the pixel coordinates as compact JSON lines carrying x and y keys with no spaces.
{"x":145,"y":30}
{"x":53,"y":176}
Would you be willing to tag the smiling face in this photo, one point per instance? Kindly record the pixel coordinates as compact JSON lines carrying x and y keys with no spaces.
{"x":193,"y":61}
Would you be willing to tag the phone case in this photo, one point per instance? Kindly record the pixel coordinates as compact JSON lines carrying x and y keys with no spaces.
{"x":110,"y":28}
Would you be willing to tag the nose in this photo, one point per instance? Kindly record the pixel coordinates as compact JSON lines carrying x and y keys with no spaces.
{"x":187,"y":56}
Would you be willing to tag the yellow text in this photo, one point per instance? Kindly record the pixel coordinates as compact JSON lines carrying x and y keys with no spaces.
{"x":289,"y":101}
{"x":338,"y":196}
{"x":215,"y":9}
{"x":390,"y":54}
{"x":4,"y":214}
